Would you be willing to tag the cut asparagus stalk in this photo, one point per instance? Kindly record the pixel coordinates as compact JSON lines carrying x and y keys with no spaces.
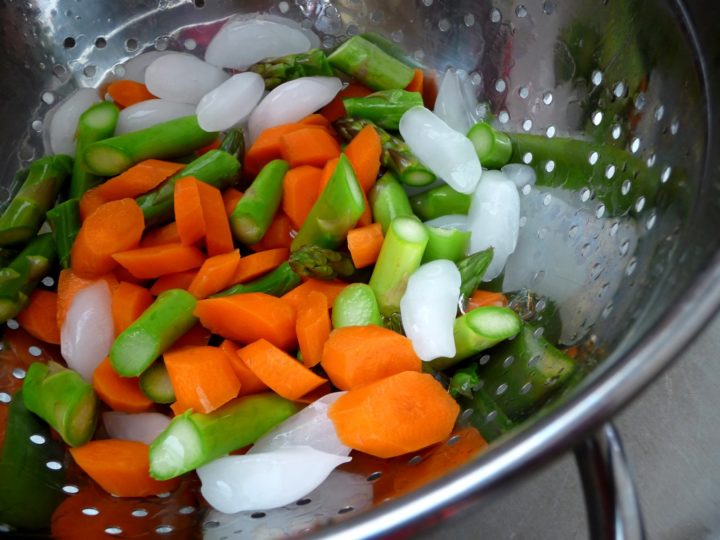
{"x":336,"y":211}
{"x":439,"y":201}
{"x":191,"y":440}
{"x":392,"y":49}
{"x":384,"y":108}
{"x":155,"y":383}
{"x":23,"y":217}
{"x":400,"y":255}
{"x":388,"y":200}
{"x":95,"y":124}
{"x":288,"y":68}
{"x":253,"y":213}
{"x":166,"y":140}
{"x":450,"y":244}
{"x":321,"y":263}
{"x":276,"y":283}
{"x":356,"y":305}
{"x":65,"y":222}
{"x":492,"y":147}
{"x":216,"y":167}
{"x":63,"y":399}
{"x":160,"y":325}
{"x":234,"y":143}
{"x":472,"y":270}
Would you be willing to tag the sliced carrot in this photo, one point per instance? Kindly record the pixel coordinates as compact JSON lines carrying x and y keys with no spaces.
{"x":39,"y":318}
{"x":249,"y":382}
{"x":482,"y":298}
{"x":167,"y":234}
{"x":280,"y":234}
{"x":91,"y":200}
{"x":231,"y":196}
{"x":215,"y":274}
{"x":313,"y":328}
{"x":280,"y":371}
{"x":120,"y":393}
{"x":395,"y":415}
{"x":335,"y":109}
{"x":121,"y":274}
{"x":267,"y":146}
{"x":301,"y":187}
{"x":128,"y":303}
{"x":327,"y":173}
{"x":298,"y":296}
{"x":126,"y":92}
{"x":364,"y":152}
{"x":202,"y":377}
{"x":249,"y":317}
{"x":156,"y":261}
{"x":189,"y":216}
{"x":315,"y":394}
{"x":364,"y":244}
{"x":358,"y":355}
{"x":317,"y":120}
{"x":416,"y":85}
{"x":197,"y":336}
{"x":259,"y":263}
{"x":114,"y":227}
{"x":122,"y":468}
{"x":179,"y":280}
{"x":69,"y":284}
{"x":309,"y":146}
{"x":218,"y":237}
{"x":138,"y":179}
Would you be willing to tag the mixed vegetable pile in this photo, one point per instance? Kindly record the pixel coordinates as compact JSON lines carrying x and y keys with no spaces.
{"x":246,"y":263}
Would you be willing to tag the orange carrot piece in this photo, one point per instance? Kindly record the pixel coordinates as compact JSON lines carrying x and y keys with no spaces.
{"x":231,"y":197}
{"x":249,"y":317}
{"x":126,"y":92}
{"x":267,"y":146}
{"x":189,"y":216}
{"x":298,"y":296}
{"x":128,"y":303}
{"x":122,"y":468}
{"x":313,"y":328}
{"x":91,"y":200}
{"x":429,"y":90}
{"x":197,"y":336}
{"x":39,"y":318}
{"x":280,"y":371}
{"x":120,"y":393}
{"x":395,"y":415}
{"x":279,"y":234}
{"x":179,"y":280}
{"x":416,"y":85}
{"x":167,"y":234}
{"x":315,"y":394}
{"x":249,"y":382}
{"x":218,"y":237}
{"x":215,"y":274}
{"x":138,"y":179}
{"x":202,"y":377}
{"x":309,"y":146}
{"x":327,"y":173}
{"x":364,"y":244}
{"x":364,"y":152}
{"x":259,"y":263}
{"x":317,"y":120}
{"x":335,"y":109}
{"x":482,"y":298}
{"x":156,"y":261}
{"x":114,"y":227}
{"x":69,"y":284}
{"x":301,"y":187}
{"x":358,"y":355}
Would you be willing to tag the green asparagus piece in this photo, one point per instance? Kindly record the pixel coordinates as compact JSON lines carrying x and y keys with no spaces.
{"x":23,"y":217}
{"x":336,"y":211}
{"x":356,"y":305}
{"x":396,"y":155}
{"x":29,"y":489}
{"x":541,"y":312}
{"x":492,"y":147}
{"x":63,"y":399}
{"x":160,"y":325}
{"x":293,"y":66}
{"x":321,"y":263}
{"x":400,"y":255}
{"x":384,"y":108}
{"x":276,"y":283}
{"x":167,"y":140}
{"x":234,"y":143}
{"x":7,"y":255}
{"x":439,"y":201}
{"x":392,"y":49}
{"x":388,"y":200}
{"x":450,"y":244}
{"x":216,"y":167}
{"x":479,"y":330}
{"x":393,"y":321}
{"x":21,"y":276}
{"x":95,"y":124}
{"x":255,"y":211}
{"x":370,"y":65}
{"x":472,"y":270}
{"x":65,"y":222}
{"x":191,"y":440}
{"x":155,"y":383}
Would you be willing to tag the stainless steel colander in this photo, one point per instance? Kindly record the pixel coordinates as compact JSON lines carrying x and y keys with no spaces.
{"x":639,"y":75}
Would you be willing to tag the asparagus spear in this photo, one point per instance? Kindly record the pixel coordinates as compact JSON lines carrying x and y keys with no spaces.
{"x":160,"y":325}
{"x":23,"y":217}
{"x":388,"y":200}
{"x":384,"y":108}
{"x":293,"y":66}
{"x":439,"y":201}
{"x":167,"y":140}
{"x":396,"y":155}
{"x":370,"y":65}
{"x":95,"y":124}
{"x":472,"y":269}
{"x":336,"y":211}
{"x":400,"y":256}
{"x":21,"y":276}
{"x":234,"y":143}
{"x":392,"y":49}
{"x":356,"y":305}
{"x":191,"y":440}
{"x":276,"y":283}
{"x":64,"y":220}
{"x":216,"y":167}
{"x":321,"y":263}
{"x":156,"y":385}
{"x":253,"y":213}
{"x":492,"y":147}
{"x":63,"y":399}
{"x":450,"y":244}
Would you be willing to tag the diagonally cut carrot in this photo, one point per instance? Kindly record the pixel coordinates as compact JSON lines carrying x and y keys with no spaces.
{"x":249,"y":382}
{"x":39,"y":318}
{"x":364,"y":244}
{"x":364,"y":152}
{"x":120,"y":393}
{"x":69,"y":284}
{"x":301,"y":187}
{"x":218,"y":237}
{"x":313,"y":328}
{"x":279,"y":235}
{"x":259,"y":263}
{"x":309,"y":146}
{"x":128,"y":303}
{"x":179,"y":280}
{"x":416,"y":85}
{"x":298,"y":296}
{"x":231,"y":196}
{"x":126,"y":92}
{"x":152,"y":262}
{"x":335,"y":109}
{"x":215,"y":274}
{"x":167,"y":234}
{"x":189,"y":216}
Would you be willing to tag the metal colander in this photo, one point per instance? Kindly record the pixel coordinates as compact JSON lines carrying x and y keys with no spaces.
{"x":638,"y":267}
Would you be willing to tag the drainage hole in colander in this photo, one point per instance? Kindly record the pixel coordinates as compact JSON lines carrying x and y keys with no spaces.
{"x":495,"y":15}
{"x":526,"y":388}
{"x":501,"y":389}
{"x":503,"y":117}
{"x":100,"y":43}
{"x":34,"y":350}
{"x":453,"y":440}
{"x":18,"y":373}
{"x":162,"y":43}
{"x":131,"y":44}
{"x":71,"y":489}
{"x":211,"y":524}
{"x":54,"y":465}
{"x":59,"y":71}
{"x":527,"y":158}
{"x":113,"y":531}
{"x":199,"y":3}
{"x":5,"y":397}
{"x":596,"y":77}
{"x":164,"y":529}
{"x":258,"y":515}
{"x":373,"y":477}
{"x":37,"y":439}
{"x":484,"y":359}
{"x":303,"y":502}
{"x":415,"y":460}
{"x":163,"y":495}
{"x":69,"y":42}
{"x":185,"y":510}
{"x":90,"y":511}
{"x":139,"y":512}
{"x":89,"y":71}
{"x":345,"y":510}
{"x":12,"y":324}
{"x":37,"y":125}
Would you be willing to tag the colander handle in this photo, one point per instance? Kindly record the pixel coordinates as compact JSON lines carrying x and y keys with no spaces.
{"x":613,"y":508}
